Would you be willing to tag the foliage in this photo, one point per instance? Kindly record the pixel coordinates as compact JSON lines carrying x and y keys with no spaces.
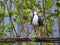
{"x":2,"y":3}
{"x":58,"y":3}
{"x":49,"y":4}
{"x":1,"y":14}
{"x":21,"y":12}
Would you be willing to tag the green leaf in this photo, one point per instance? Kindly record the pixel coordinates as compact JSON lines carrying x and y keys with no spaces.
{"x":28,"y":4}
{"x":25,"y":17}
{"x":11,"y":12}
{"x":55,"y":15}
{"x":7,"y":15}
{"x":1,"y":18}
{"x":24,"y":21}
{"x":56,"y":11}
{"x":38,"y":5}
{"x":6,"y":35}
{"x":1,"y":12}
{"x":25,"y":5}
{"x":26,"y":10}
{"x":58,"y":3}
{"x":2,"y":27}
{"x":32,"y":3}
{"x":2,"y":3}
{"x":18,"y":4}
{"x":17,"y":20}
{"x":54,"y":30}
{"x":16,"y":12}
{"x":8,"y":30}
{"x":9,"y":26}
{"x":48,"y":43}
{"x":49,"y":4}
{"x":30,"y":43}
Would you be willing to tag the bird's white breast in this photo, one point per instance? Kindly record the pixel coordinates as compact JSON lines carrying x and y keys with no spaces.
{"x":35,"y":21}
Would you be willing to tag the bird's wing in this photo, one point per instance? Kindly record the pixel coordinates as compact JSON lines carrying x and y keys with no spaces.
{"x":32,"y":18}
{"x":40,"y":21}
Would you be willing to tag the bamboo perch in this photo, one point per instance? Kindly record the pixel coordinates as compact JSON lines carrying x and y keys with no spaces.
{"x":44,"y":39}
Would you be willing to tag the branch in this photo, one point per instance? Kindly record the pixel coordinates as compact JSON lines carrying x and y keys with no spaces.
{"x":14,"y":40}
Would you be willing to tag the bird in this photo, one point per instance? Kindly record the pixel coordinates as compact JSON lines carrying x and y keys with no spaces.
{"x":36,"y":20}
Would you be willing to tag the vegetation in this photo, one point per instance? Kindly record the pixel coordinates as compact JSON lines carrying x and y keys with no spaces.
{"x":15,"y":19}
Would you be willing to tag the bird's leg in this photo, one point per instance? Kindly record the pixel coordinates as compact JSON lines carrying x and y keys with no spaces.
{"x":35,"y":34}
{"x":36,"y":31}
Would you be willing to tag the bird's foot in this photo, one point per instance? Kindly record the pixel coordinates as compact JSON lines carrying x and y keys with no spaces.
{"x":34,"y":37}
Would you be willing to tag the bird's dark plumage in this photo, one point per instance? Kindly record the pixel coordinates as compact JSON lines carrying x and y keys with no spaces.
{"x":40,"y":21}
{"x":32,"y":18}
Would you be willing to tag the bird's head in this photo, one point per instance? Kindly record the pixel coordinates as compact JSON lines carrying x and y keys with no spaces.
{"x":36,"y":12}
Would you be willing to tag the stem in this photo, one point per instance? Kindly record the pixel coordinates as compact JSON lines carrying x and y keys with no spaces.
{"x":3,"y":18}
{"x":43,"y":13}
{"x":11,"y":18}
{"x":58,"y":22}
{"x":52,"y":30}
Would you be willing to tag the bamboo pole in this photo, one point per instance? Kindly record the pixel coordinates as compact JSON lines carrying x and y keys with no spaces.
{"x":58,"y":21}
{"x":44,"y":39}
{"x":43,"y":13}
